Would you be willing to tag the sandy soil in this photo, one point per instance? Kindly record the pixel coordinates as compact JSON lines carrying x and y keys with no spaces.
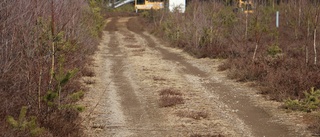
{"x":131,"y":68}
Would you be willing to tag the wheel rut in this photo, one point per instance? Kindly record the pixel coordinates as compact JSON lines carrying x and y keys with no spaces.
{"x":139,"y":117}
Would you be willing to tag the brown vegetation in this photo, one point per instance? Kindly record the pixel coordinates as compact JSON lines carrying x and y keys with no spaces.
{"x":208,"y":135}
{"x":88,"y":72}
{"x":44,"y":45}
{"x":282,"y":61}
{"x":171,"y":92}
{"x":314,"y":121}
{"x":197,"y":115}
{"x":170,"y":97}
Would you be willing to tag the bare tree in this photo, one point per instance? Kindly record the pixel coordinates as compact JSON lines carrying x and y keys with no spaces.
{"x":30,"y":48}
{"x":315,"y":35}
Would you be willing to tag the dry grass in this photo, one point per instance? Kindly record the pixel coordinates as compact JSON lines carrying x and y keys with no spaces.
{"x":169,"y":101}
{"x":88,"y":72}
{"x":314,"y":122}
{"x":197,"y":115}
{"x":138,"y":52}
{"x":89,"y":81}
{"x":130,"y":39}
{"x":170,"y":92}
{"x":155,"y":78}
{"x":315,"y":126}
{"x":133,"y":46}
{"x":207,"y":135}
{"x":170,"y":97}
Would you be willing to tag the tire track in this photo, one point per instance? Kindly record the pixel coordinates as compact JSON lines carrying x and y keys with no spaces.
{"x":140,"y":118}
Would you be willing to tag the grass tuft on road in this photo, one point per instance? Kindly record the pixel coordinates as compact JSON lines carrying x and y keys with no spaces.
{"x":170,"y":97}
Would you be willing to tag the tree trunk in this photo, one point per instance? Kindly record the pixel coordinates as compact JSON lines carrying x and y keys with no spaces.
{"x":255,"y":52}
{"x":307,"y":54}
{"x":315,"y":45}
{"x":306,"y":45}
{"x":246,"y":32}
{"x":39,"y":91}
{"x":315,"y":38}
{"x":299,"y":19}
{"x":53,"y":42}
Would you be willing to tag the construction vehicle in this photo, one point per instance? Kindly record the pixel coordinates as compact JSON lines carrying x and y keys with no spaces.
{"x":179,"y":5}
{"x":245,"y":6}
{"x":120,"y":3}
{"x":140,"y":4}
{"x":148,"y":5}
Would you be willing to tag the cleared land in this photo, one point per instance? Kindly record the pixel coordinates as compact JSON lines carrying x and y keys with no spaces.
{"x":144,"y":88}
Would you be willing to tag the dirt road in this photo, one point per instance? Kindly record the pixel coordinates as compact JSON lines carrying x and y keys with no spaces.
{"x":132,"y":67}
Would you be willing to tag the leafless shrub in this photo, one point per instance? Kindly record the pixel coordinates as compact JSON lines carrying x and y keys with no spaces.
{"x":236,"y":36}
{"x":88,"y":72}
{"x":41,"y":43}
{"x":283,"y":60}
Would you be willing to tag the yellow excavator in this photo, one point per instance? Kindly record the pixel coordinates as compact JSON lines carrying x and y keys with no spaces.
{"x":148,"y":4}
{"x":245,"y":5}
{"x":140,"y":4}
